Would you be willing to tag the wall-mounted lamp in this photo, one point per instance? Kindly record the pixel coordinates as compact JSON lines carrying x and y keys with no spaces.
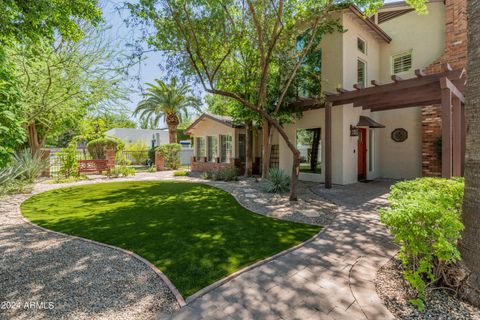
{"x":353,"y":131}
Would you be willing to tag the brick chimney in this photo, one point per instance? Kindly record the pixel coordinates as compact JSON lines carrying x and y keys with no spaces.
{"x":455,"y":53}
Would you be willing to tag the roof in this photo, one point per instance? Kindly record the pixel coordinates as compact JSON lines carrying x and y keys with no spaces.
{"x":395,"y":9}
{"x":365,"y":121}
{"x":375,"y":28}
{"x":225,"y":120}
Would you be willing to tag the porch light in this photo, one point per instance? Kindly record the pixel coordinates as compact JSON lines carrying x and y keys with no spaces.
{"x":353,"y":131}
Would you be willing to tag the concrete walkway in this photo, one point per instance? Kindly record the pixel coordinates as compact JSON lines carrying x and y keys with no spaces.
{"x":329,"y":278}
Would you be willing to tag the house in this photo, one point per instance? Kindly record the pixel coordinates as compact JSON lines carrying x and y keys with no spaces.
{"x":367,"y":132}
{"x":146,"y":136}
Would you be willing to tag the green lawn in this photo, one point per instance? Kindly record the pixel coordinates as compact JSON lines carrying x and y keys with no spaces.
{"x":195,"y":234}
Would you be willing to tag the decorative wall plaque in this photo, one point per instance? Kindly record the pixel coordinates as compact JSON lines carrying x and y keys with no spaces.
{"x":399,"y":135}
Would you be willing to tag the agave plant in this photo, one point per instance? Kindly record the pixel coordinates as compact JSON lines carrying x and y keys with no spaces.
{"x":277,"y":181}
{"x":9,"y":173}
{"x":29,"y":165}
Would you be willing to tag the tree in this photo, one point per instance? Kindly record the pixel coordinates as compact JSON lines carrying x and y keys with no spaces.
{"x":95,"y":126}
{"x":469,"y":244}
{"x":60,"y":84}
{"x":213,"y":39}
{"x":170,"y":101}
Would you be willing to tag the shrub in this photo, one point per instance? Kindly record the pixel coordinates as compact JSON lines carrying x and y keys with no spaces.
{"x":424,"y":219}
{"x":171,"y":155}
{"x":98,"y":147}
{"x":151,"y":157}
{"x":229,"y":173}
{"x":152,"y":168}
{"x":277,"y":181}
{"x":123,"y":171}
{"x":68,"y":161}
{"x":181,"y":173}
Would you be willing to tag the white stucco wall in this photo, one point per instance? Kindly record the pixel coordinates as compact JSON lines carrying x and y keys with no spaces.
{"x":129,"y":135}
{"x":208,"y":127}
{"x":423,"y":34}
{"x":401,"y":160}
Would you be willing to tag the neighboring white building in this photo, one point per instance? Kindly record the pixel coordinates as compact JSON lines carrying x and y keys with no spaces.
{"x":129,"y":135}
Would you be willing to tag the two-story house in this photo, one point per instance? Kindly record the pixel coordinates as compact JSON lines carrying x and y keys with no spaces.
{"x":367,"y":143}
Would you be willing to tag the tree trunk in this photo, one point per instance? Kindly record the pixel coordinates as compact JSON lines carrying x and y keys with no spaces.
{"x":469,"y":245}
{"x":172,"y":123}
{"x":32,"y":138}
{"x":266,"y":148}
{"x":294,"y":177}
{"x":248,"y":149}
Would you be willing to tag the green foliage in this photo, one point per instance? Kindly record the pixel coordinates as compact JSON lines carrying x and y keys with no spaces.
{"x":12,"y":133}
{"x":94,"y":127}
{"x":425,"y":219}
{"x":181,"y":173}
{"x":123,"y":171}
{"x":171,"y":101}
{"x":151,"y":156}
{"x":68,"y":161}
{"x":152,"y":168}
{"x":98,"y":147}
{"x":30,"y":165}
{"x":139,"y":152}
{"x":60,"y":179}
{"x":9,"y":173}
{"x":277,"y":181}
{"x":171,"y":155}
{"x":229,"y":173}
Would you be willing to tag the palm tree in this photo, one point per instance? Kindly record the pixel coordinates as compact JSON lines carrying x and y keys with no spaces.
{"x":469,"y":246}
{"x":170,"y":101}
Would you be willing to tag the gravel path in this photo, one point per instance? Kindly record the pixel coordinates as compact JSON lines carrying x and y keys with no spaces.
{"x":396,"y":293}
{"x":44,"y":275}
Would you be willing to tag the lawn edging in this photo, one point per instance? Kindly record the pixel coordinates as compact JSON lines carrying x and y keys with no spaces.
{"x":169,"y":284}
{"x":259,"y":263}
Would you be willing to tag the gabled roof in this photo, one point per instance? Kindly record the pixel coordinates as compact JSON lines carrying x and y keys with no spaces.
{"x":375,"y":28}
{"x":225,"y":120}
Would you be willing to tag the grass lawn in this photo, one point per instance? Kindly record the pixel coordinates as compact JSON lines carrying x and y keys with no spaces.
{"x":195,"y":234}
{"x":305,"y":167}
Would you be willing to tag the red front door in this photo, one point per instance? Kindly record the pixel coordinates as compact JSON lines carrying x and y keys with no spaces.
{"x":362,"y":153}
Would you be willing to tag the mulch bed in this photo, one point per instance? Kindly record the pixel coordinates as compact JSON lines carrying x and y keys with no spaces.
{"x":396,"y":293}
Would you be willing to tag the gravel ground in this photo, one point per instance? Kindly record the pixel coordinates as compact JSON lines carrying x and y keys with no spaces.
{"x":44,"y":275}
{"x":440,"y":304}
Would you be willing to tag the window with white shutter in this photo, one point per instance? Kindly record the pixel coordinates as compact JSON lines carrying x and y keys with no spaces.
{"x":402,"y":62}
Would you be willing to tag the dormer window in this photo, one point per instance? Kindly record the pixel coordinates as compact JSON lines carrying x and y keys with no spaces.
{"x":362,"y":45}
{"x":402,"y":62}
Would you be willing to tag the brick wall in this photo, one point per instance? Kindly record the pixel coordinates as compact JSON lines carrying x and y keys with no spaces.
{"x":159,"y":161}
{"x":201,"y":165}
{"x":455,"y":54}
{"x":110,"y":156}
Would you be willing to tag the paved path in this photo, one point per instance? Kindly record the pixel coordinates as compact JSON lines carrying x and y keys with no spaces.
{"x":329,"y":278}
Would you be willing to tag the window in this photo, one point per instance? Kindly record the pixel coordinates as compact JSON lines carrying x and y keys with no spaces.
{"x":212,"y":148}
{"x":200,"y":141}
{"x":309,"y":144}
{"x":370,"y":150}
{"x":362,"y":45}
{"x":225,"y":148}
{"x":402,"y":62}
{"x":361,"y":73}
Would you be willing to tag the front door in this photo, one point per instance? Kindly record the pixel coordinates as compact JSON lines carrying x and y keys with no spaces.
{"x":362,"y":153}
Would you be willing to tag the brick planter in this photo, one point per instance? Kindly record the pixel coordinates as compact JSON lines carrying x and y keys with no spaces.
{"x":110,"y":156}
{"x":202,"y":165}
{"x":159,"y":161}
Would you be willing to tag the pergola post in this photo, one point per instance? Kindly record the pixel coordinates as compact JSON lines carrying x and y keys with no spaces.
{"x":446,"y":104}
{"x":457,"y":137}
{"x":328,"y":145}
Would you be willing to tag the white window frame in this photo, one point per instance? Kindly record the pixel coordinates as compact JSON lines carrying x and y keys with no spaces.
{"x":365,"y":71}
{"x":398,"y":55}
{"x":364,"y":45}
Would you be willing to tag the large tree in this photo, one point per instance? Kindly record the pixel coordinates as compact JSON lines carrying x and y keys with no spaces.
{"x":213,"y":39}
{"x":171,"y":102}
{"x":470,"y":243}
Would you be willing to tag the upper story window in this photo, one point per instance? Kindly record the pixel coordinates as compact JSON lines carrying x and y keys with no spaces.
{"x":402,"y":62}
{"x":362,"y":45}
{"x":361,"y":73}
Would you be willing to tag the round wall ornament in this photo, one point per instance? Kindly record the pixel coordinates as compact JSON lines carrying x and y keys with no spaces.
{"x":399,"y":135}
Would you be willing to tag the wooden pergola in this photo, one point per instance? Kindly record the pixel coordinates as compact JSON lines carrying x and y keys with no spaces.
{"x":445,"y":89}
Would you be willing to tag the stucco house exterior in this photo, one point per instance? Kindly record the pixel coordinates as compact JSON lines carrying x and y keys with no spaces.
{"x":370,"y":143}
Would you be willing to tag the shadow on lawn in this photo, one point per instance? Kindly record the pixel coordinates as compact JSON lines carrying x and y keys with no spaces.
{"x":194,"y":233}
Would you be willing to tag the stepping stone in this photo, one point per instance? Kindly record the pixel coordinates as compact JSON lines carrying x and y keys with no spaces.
{"x":249,"y":190}
{"x":261,"y":201}
{"x":250,"y":195}
{"x":309,"y":213}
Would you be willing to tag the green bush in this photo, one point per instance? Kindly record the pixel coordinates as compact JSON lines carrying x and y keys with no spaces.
{"x":425,"y":221}
{"x":171,"y":155}
{"x":139,"y":152}
{"x":122,"y":171}
{"x":229,"y":173}
{"x":98,"y":147}
{"x":151,"y":157}
{"x":181,"y":173}
{"x":277,"y":181}
{"x":68,"y":161}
